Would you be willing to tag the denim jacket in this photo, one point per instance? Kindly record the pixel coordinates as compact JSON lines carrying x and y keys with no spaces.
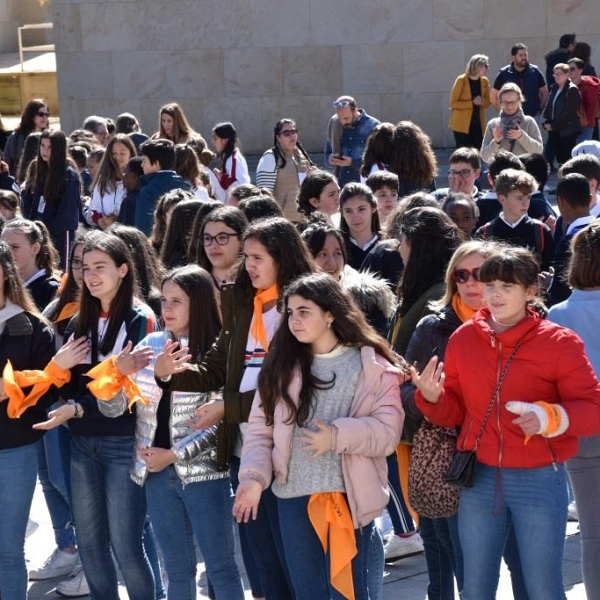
{"x":196,"y":451}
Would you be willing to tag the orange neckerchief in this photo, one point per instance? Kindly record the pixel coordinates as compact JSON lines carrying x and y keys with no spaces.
{"x":108,"y":382}
{"x":258,"y":330}
{"x":68,"y":310}
{"x":463,"y":312}
{"x":330,"y":517}
{"x":41,"y":381}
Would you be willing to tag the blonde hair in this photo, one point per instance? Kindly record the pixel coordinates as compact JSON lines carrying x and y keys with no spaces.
{"x":475,"y":62}
{"x":466,"y":249}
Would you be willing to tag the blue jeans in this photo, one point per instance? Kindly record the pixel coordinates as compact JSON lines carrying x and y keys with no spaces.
{"x":247,"y":556}
{"x":586,"y":134}
{"x":53,"y":452}
{"x":17,"y":484}
{"x":109,"y":511}
{"x":535,"y":500}
{"x":443,"y":556}
{"x":203,"y":510}
{"x":512,"y":559}
{"x":309,"y":565}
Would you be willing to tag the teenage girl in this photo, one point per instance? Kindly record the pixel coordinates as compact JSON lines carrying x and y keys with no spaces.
{"x":327,"y":413}
{"x":320,"y":192}
{"x":274,"y":255}
{"x":35,"y":257}
{"x":107,"y":189}
{"x":108,"y":507}
{"x":184,"y":487}
{"x":233,"y":169}
{"x":534,"y":379}
{"x":56,"y":193}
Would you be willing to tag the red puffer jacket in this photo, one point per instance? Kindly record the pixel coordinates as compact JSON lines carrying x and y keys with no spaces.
{"x":550,"y":365}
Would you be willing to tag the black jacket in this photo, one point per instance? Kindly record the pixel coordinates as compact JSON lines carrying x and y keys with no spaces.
{"x":29,"y":344}
{"x":563,"y":114}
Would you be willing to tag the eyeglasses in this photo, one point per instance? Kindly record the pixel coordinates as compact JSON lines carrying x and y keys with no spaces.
{"x":288,"y":132}
{"x":464,"y":173}
{"x":463,"y":275}
{"x":341,"y":103}
{"x":509,"y":102}
{"x":43,"y":114}
{"x":222,"y":239}
{"x":76,"y":264}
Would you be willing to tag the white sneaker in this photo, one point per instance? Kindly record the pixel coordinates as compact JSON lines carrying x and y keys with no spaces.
{"x":573,"y":514}
{"x":31,"y":527}
{"x":397,"y":547}
{"x":58,"y":564}
{"x":76,"y":587}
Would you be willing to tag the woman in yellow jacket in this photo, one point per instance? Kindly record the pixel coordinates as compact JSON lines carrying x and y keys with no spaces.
{"x":469,"y":98}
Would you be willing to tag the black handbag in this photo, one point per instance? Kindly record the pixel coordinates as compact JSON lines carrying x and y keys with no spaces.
{"x":461,"y":472}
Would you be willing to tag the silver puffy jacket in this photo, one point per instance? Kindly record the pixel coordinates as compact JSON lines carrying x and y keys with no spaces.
{"x":196,"y":451}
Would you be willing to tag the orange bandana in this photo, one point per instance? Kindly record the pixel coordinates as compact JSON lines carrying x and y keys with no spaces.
{"x":68,"y":310}
{"x":108,"y":382}
{"x":330,"y":517}
{"x":258,"y":330}
{"x":463,"y":312}
{"x":41,"y":381}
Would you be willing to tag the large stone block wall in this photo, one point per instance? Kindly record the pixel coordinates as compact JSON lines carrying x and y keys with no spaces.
{"x":255,"y":61}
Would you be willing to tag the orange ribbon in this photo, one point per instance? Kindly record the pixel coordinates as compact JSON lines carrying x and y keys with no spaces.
{"x":108,"y":382}
{"x":330,"y":517}
{"x":258,"y":330}
{"x":68,"y":310}
{"x":554,"y":419}
{"x":41,"y":381}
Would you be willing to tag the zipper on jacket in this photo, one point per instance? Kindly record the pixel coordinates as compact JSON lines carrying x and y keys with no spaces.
{"x":498,"y":407}
{"x":552,"y":455}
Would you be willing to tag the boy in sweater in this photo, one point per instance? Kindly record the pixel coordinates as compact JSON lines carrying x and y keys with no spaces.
{"x":513,"y":225}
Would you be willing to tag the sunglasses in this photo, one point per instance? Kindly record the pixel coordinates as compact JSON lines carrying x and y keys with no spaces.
{"x":463,"y":275}
{"x":341,"y":103}
{"x":288,"y":132}
{"x":43,"y":114}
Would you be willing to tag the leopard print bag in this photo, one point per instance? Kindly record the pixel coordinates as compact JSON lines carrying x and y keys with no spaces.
{"x":432,"y":452}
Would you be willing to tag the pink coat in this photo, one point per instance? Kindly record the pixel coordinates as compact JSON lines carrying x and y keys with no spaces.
{"x":364,"y":438}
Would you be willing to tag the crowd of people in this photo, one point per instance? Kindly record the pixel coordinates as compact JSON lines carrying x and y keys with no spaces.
{"x":183,"y":350}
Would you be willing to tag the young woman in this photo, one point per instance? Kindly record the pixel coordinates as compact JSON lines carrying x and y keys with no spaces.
{"x":35,"y":257}
{"x":107,"y":189}
{"x":35,"y":117}
{"x":233,"y":168}
{"x":9,"y":205}
{"x":360,"y":222}
{"x":327,"y":412}
{"x":274,"y":255}
{"x":184,"y":487}
{"x":188,"y":166}
{"x":162,"y":212}
{"x":173,"y":252}
{"x":27,"y":342}
{"x":377,"y":154}
{"x":282,"y":169}
{"x":372,"y":294}
{"x":173,"y":124}
{"x":56,"y":195}
{"x":413,"y":159}
{"x":580,"y":314}
{"x":101,"y":448}
{"x":220,"y":247}
{"x":320,"y":192}
{"x":28,"y":155}
{"x":537,"y":386}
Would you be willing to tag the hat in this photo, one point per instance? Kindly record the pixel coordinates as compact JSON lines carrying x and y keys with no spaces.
{"x":587,"y":147}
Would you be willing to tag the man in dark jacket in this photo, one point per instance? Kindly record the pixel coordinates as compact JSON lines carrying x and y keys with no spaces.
{"x":561,"y":55}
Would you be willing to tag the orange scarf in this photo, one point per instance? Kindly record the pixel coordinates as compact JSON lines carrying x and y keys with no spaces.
{"x":68,"y":310}
{"x":463,"y":312}
{"x":108,"y":382}
{"x":41,"y":381}
{"x":258,"y":330}
{"x":330,"y":517}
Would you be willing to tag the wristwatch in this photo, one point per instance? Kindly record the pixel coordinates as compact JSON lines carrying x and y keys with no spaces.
{"x":78,"y":409}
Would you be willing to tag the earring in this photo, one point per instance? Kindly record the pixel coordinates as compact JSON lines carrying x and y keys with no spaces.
{"x":328,"y":324}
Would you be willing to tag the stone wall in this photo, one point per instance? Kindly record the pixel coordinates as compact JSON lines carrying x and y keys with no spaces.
{"x":254,"y":61}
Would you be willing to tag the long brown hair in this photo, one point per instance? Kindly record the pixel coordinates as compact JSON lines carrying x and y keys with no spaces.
{"x":287,"y":355}
{"x":14,"y":290}
{"x":109,"y":173}
{"x":50,"y":177}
